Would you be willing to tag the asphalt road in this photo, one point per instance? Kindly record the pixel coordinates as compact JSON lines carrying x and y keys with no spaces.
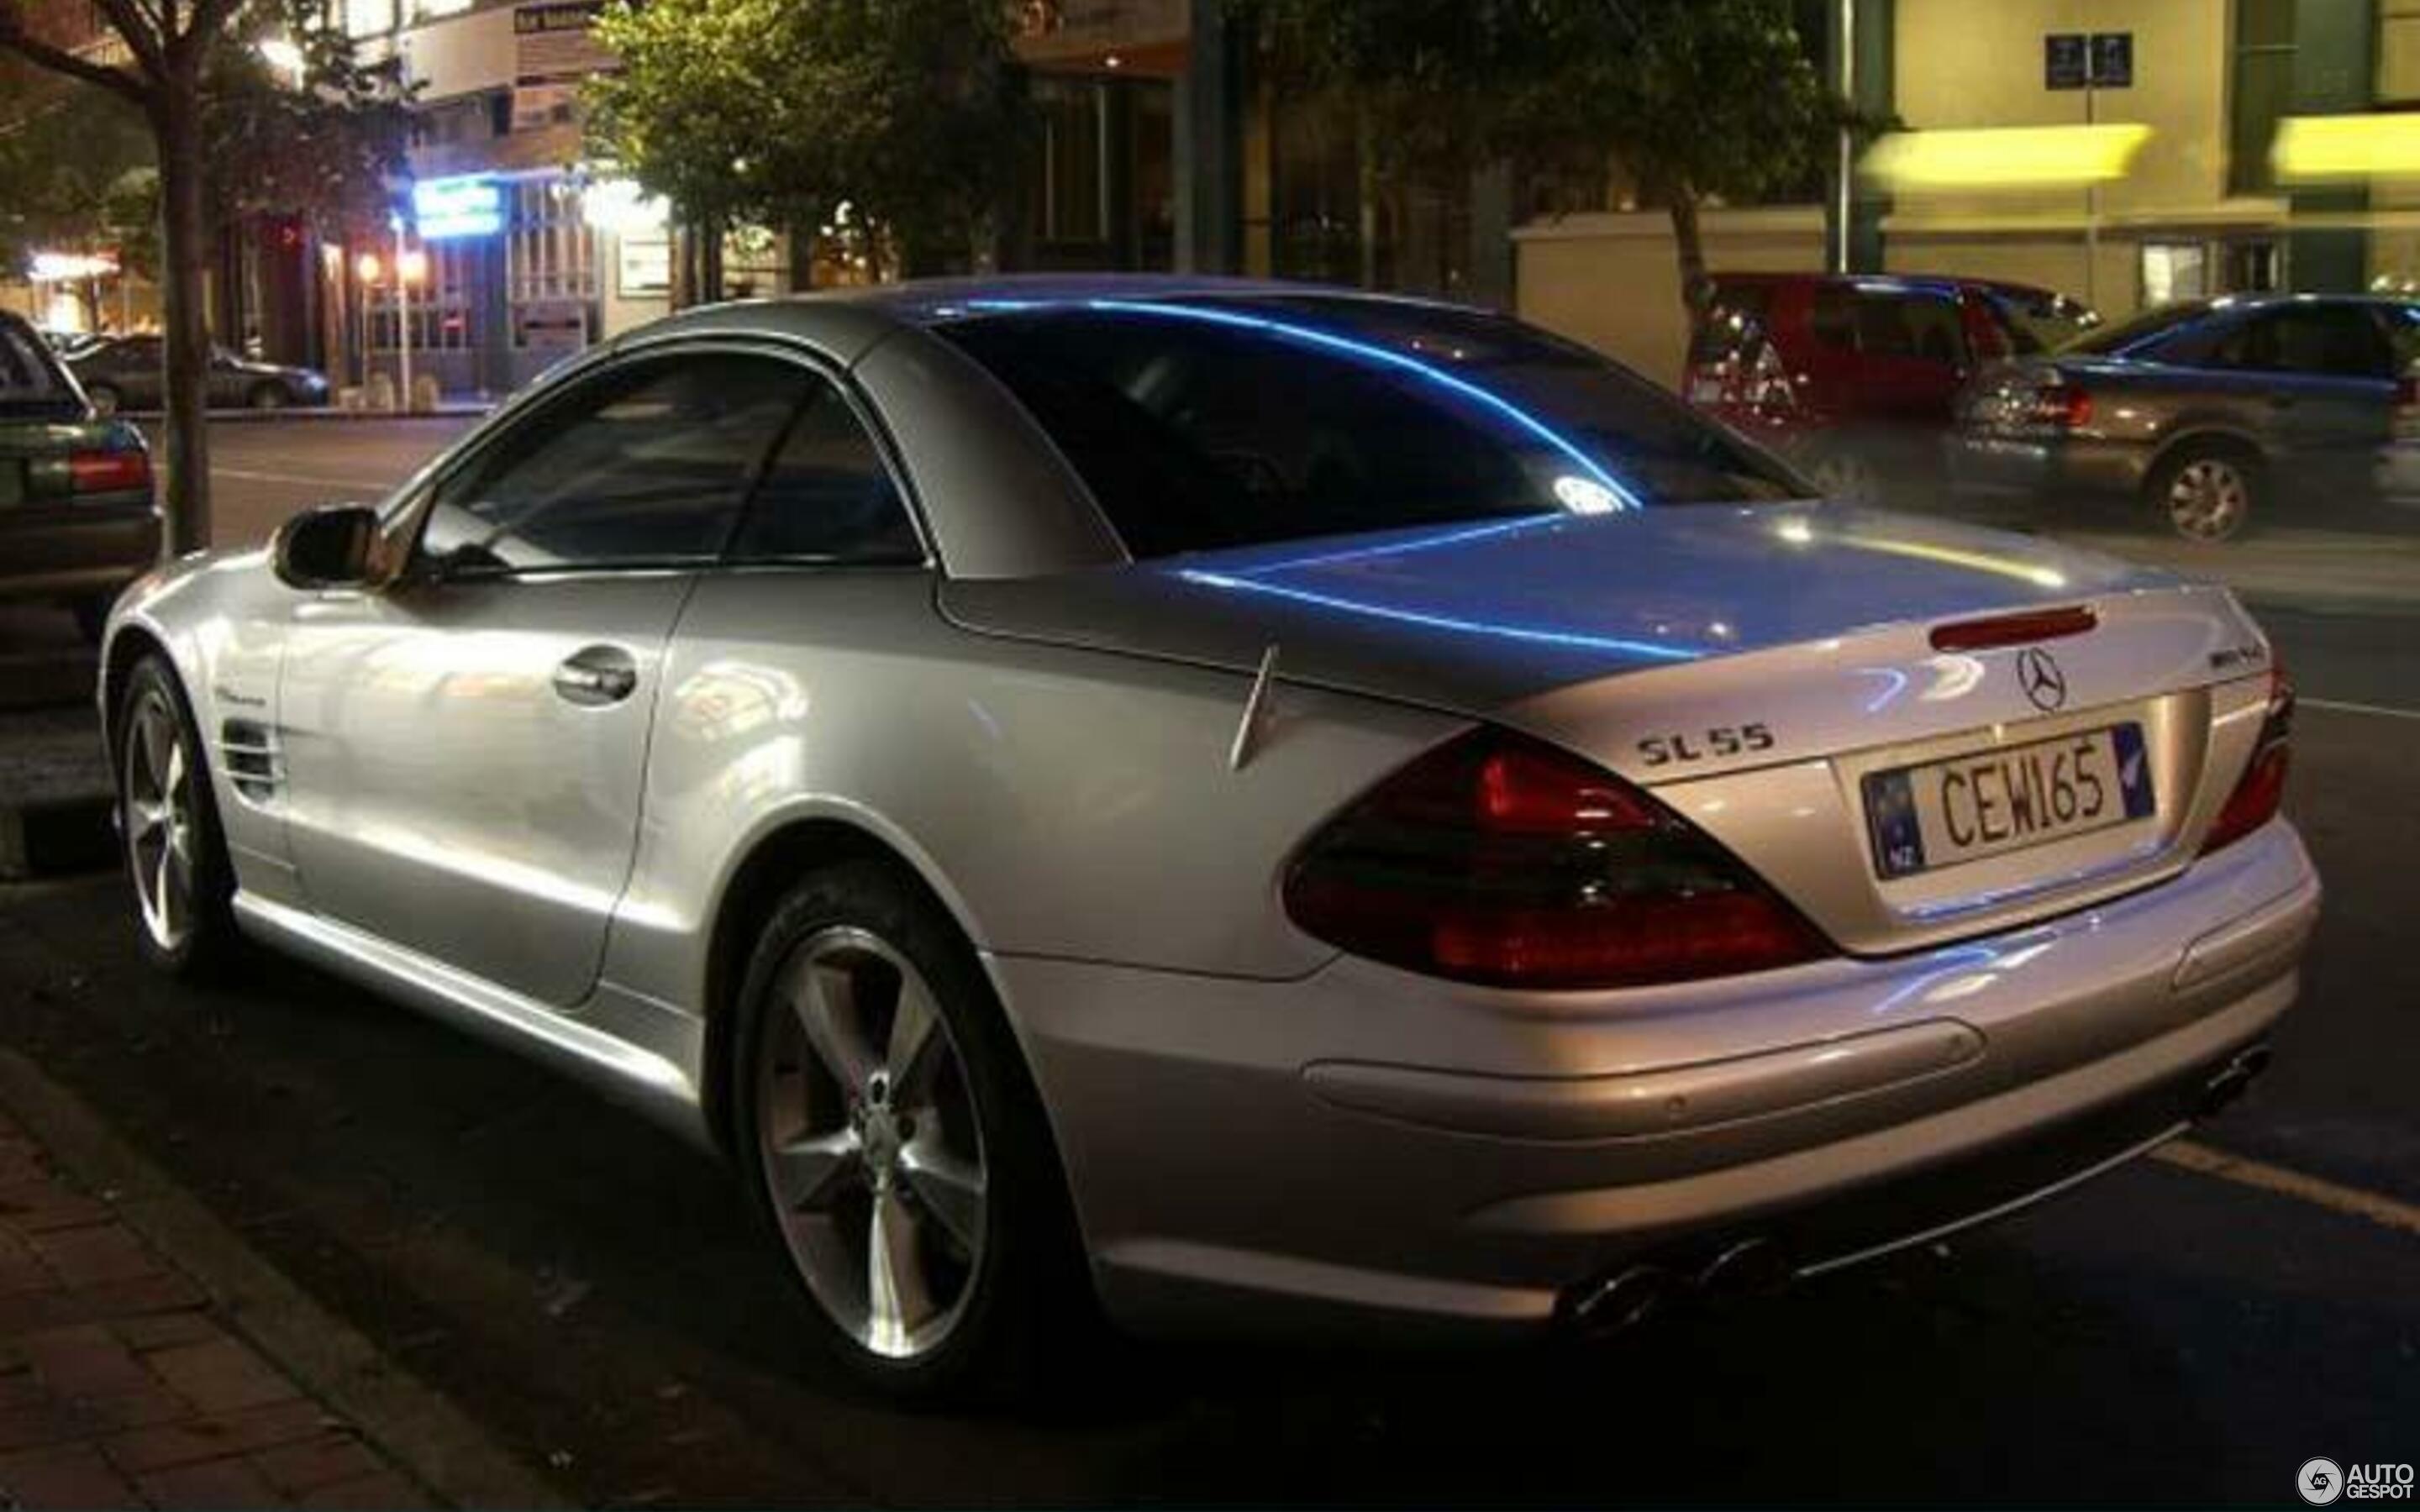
{"x":590,"y":1289}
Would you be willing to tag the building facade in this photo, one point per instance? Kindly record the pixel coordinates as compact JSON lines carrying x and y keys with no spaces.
{"x":2200,"y":207}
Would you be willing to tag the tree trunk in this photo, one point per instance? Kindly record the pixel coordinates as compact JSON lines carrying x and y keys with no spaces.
{"x":1681,"y":202}
{"x":177,"y":120}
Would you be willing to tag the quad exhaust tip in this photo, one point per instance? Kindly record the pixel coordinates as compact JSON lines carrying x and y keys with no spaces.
{"x":1757,"y":1266}
{"x":1623,"y":1300}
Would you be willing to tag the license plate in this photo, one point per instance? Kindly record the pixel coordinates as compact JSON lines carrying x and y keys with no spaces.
{"x":1990,"y":802}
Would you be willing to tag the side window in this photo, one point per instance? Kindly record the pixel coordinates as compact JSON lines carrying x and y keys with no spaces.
{"x":826,"y":496}
{"x":1921,"y":327}
{"x":647,"y":464}
{"x":2336,"y":340}
{"x":1831,"y":318}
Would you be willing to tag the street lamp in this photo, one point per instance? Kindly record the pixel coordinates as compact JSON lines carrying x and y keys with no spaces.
{"x":403,"y":265}
{"x":369,"y":271}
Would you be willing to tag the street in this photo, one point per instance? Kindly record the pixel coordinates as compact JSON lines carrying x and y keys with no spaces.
{"x":2186,"y":1330}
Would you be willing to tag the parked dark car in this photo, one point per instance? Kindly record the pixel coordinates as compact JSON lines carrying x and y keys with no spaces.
{"x":2204,"y":410}
{"x":1855,"y":377}
{"x":127,"y":373}
{"x":77,"y":519}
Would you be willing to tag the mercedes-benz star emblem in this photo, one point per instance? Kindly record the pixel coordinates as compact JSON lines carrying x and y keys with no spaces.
{"x":2041,"y":679}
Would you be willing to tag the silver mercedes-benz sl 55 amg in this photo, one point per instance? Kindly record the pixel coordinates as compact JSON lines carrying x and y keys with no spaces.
{"x":1232,"y":804}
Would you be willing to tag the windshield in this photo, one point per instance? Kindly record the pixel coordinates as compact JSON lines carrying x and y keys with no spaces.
{"x":2128,"y":336}
{"x":1211,"y":423}
{"x":30,"y":379}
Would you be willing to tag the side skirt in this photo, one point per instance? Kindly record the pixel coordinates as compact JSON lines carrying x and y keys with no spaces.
{"x":640,"y":1078}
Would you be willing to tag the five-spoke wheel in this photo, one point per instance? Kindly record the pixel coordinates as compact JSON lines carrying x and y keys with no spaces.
{"x":893,"y":1137}
{"x":872,"y":1148}
{"x":168,"y":823}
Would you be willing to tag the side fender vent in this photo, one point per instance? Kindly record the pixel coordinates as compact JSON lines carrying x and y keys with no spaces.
{"x":254,"y":762}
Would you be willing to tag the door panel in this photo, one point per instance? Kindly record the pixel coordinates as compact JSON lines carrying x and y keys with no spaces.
{"x":2326,"y":393}
{"x":465,"y":761}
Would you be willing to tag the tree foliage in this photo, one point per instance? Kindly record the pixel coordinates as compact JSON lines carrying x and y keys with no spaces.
{"x":781,"y":111}
{"x":187,"y":69}
{"x":77,"y":173}
{"x":1693,"y":99}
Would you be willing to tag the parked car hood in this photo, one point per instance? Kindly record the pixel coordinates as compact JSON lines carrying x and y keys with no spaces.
{"x":1475,"y":617}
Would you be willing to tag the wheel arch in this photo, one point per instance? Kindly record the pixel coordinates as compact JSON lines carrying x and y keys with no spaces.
{"x":2205,"y":433}
{"x":770,"y":865}
{"x":129,"y":645}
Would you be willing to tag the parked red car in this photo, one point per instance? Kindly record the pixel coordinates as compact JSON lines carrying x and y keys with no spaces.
{"x":1854,"y":375}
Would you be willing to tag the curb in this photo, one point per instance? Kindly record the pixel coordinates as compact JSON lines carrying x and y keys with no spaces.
{"x":421,"y":1430}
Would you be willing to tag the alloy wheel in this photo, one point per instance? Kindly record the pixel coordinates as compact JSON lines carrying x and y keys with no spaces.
{"x":871,"y":1146}
{"x":162,"y":834}
{"x":2208,"y":499}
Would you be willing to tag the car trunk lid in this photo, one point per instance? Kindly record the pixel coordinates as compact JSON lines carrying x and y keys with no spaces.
{"x":1752,"y":666}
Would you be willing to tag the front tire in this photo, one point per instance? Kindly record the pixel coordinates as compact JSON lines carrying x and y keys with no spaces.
{"x":2208,"y":491}
{"x":168,"y":825}
{"x":892,"y":1138}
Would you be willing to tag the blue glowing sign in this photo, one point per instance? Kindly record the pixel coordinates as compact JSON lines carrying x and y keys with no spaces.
{"x":470,"y":205}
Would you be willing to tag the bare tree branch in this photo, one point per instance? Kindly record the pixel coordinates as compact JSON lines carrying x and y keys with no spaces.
{"x":140,"y":33}
{"x":15,"y":38}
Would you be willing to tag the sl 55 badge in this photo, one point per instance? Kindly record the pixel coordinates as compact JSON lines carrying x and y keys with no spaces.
{"x":1721,"y":740}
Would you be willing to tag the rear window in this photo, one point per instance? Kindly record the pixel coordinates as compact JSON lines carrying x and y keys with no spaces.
{"x":1221,"y":422}
{"x":30,"y":379}
{"x":2143,"y":334}
{"x":1735,"y":320}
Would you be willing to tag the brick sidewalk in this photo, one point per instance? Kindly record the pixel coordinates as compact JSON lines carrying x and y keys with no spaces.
{"x":120,"y":1387}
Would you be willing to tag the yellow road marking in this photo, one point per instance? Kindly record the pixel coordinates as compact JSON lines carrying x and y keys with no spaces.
{"x":2193,"y":1155}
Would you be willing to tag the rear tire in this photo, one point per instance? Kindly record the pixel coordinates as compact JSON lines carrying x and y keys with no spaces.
{"x":885,"y":1113}
{"x":168,"y":830}
{"x":2208,"y":491}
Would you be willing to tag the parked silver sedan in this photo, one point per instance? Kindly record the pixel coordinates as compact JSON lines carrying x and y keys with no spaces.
{"x":1235,"y":805}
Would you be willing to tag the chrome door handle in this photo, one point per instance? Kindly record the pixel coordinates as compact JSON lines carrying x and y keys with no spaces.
{"x":597,"y":675}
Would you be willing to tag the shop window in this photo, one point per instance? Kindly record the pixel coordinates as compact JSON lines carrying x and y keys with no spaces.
{"x":550,"y":269}
{"x":2174,"y":270}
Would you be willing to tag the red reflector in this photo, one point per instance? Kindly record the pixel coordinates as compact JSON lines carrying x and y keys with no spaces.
{"x":2261,"y":790}
{"x":2014,"y":629}
{"x":109,"y":472}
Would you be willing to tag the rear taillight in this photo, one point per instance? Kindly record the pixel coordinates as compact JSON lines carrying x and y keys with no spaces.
{"x":1499,"y":859}
{"x":2062,"y":405}
{"x":2262,"y":787}
{"x":127,"y":470}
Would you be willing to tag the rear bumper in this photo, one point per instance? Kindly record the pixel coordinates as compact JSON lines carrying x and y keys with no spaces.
{"x":1984,"y":462}
{"x":1368,"y":1151}
{"x":93,"y":546}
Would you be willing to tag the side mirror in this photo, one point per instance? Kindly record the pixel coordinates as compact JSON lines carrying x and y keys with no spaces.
{"x":330,"y":546}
